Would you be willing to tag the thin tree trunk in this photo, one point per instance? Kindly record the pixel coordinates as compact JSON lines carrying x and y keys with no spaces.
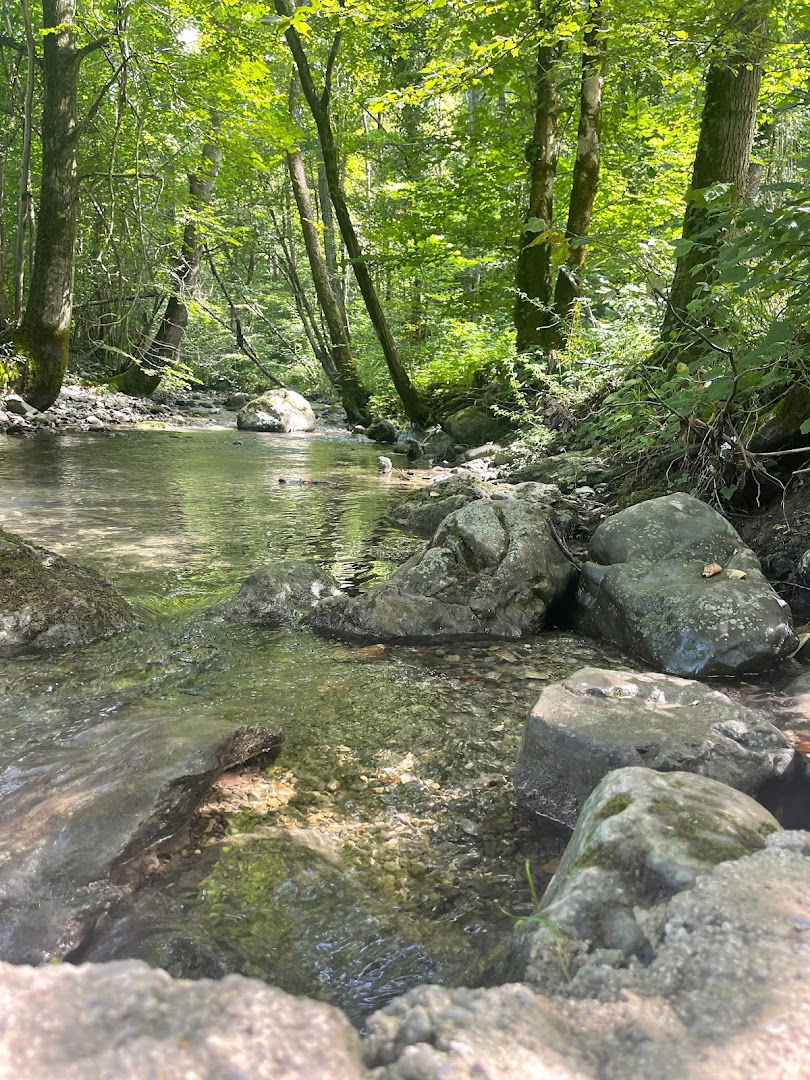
{"x":352,"y":393}
{"x":24,"y":199}
{"x":44,"y":332}
{"x":722,"y":157}
{"x":534,"y":316}
{"x":329,"y":245}
{"x":142,"y":379}
{"x":415,"y":408}
{"x":585,"y":180}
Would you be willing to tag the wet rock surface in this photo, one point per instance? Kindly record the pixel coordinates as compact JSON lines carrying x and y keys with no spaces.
{"x":670,"y":580}
{"x":727,"y":993}
{"x":491,"y":570}
{"x":71,"y":822}
{"x":285,"y":594}
{"x":128,"y":1020}
{"x":642,"y":837}
{"x":278,"y":410}
{"x":48,"y":602}
{"x":597,"y":720}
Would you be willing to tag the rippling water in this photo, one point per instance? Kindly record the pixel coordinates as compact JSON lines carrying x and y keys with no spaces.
{"x":382,"y":847}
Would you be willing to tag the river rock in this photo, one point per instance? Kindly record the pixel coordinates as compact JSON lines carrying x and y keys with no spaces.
{"x":726,"y":993}
{"x":78,"y":812}
{"x":47,"y":601}
{"x":285,"y":594}
{"x":422,"y":513}
{"x":598,"y":720}
{"x":642,"y":836}
{"x":491,"y":570}
{"x":381,"y":430}
{"x":278,"y":410}
{"x":644,"y":588}
{"x":568,"y":470}
{"x":238,"y":400}
{"x":438,"y":445}
{"x":127,"y":1020}
{"x":474,"y":426}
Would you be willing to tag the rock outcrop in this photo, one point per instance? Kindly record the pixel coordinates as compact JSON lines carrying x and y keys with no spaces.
{"x":284,"y":594}
{"x":491,"y":570}
{"x":597,"y":720}
{"x":279,"y":410}
{"x":129,"y":1020}
{"x":47,"y":601}
{"x":670,"y":580}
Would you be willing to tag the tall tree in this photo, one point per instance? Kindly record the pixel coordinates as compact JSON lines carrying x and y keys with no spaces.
{"x":320,"y":106}
{"x":143,"y":377}
{"x":723,"y":155}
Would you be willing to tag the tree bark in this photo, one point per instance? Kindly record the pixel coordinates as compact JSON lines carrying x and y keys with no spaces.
{"x":24,"y":198}
{"x":723,"y":154}
{"x":319,"y":105}
{"x":44,"y":333}
{"x":585,"y":180}
{"x":353,"y":394}
{"x":534,"y":316}
{"x":142,"y":379}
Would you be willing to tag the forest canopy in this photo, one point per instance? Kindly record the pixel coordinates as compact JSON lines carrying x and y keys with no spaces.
{"x":583,"y":216}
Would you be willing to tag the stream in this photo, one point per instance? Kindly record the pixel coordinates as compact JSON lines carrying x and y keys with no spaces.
{"x":380,"y":847}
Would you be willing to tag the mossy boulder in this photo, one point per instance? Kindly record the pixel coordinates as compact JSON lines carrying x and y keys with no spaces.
{"x":278,"y":410}
{"x":475,"y":425}
{"x":670,"y":580}
{"x":642,"y":837}
{"x":47,"y":601}
{"x":597,"y":720}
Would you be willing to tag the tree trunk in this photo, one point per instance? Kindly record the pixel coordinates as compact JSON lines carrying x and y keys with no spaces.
{"x":722,"y":157}
{"x":352,"y":394}
{"x":24,"y":199}
{"x":534,"y":317}
{"x":44,"y":333}
{"x":142,"y":379}
{"x":415,"y":408}
{"x":585,"y":181}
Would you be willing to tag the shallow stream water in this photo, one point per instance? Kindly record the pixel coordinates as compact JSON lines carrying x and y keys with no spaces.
{"x":382,"y":847}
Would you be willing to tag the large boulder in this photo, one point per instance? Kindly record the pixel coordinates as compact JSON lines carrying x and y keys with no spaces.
{"x":381,"y":430}
{"x":670,"y":580}
{"x":642,"y":836}
{"x":47,"y":601}
{"x":726,"y":994}
{"x":598,"y":720}
{"x":278,"y":410}
{"x":491,"y":570}
{"x":475,"y":425}
{"x":130,"y":1021}
{"x":285,"y":594}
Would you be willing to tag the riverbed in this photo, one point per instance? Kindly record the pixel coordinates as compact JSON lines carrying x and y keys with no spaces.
{"x":381,"y":846}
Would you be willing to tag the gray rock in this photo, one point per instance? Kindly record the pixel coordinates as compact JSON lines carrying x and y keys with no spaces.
{"x":568,"y":471}
{"x":381,"y":430}
{"x":422,"y":513}
{"x":15,"y":404}
{"x":726,"y":994}
{"x":237,"y":401}
{"x":598,"y":720}
{"x":126,"y":1021}
{"x":285,"y":594}
{"x":438,"y":445}
{"x":47,"y":601}
{"x":478,"y":453}
{"x":643,"y":588}
{"x":384,"y":465}
{"x":642,"y":836}
{"x":475,"y":425}
{"x":278,"y":410}
{"x":491,"y":570}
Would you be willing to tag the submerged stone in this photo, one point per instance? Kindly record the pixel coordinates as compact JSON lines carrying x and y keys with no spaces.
{"x":47,"y":601}
{"x":284,"y":594}
{"x":646,"y":587}
{"x":597,"y":720}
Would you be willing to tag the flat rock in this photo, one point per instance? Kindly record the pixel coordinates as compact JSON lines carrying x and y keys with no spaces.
{"x":127,"y":1021}
{"x":76,"y":810}
{"x":568,"y":471}
{"x":491,"y":570}
{"x":279,"y":410}
{"x":285,"y":594}
{"x":47,"y":601}
{"x":644,"y":588}
{"x":642,"y":836}
{"x":597,"y":720}
{"x":725,"y":995}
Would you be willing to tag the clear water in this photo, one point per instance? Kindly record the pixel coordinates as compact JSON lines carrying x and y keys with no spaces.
{"x":382,"y":847}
